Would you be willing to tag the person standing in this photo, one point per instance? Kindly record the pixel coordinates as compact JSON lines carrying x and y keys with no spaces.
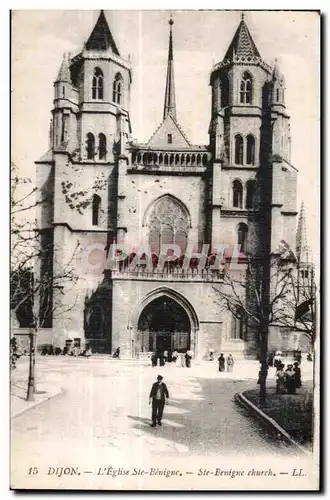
{"x":157,"y":397}
{"x":290,"y":380}
{"x":165,"y":356}
{"x":297,"y":372}
{"x":221,"y":360}
{"x":188,"y":358}
{"x":183,"y":359}
{"x":230,"y":363}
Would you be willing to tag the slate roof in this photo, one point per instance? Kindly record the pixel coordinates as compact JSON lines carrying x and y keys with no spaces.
{"x":242,"y":44}
{"x":101,"y":37}
{"x":64,"y":72}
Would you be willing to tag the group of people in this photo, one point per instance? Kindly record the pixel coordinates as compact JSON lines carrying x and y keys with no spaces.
{"x":171,"y":357}
{"x":222,"y":363}
{"x":287,"y":379}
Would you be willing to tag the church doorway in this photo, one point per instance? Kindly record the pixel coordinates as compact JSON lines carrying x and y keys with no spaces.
{"x":164,"y":325}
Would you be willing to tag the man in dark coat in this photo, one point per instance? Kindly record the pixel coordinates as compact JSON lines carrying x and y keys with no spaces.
{"x":157,"y":397}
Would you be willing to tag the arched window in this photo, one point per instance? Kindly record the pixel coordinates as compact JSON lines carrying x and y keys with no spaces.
{"x":96,"y":209}
{"x":246,"y":89}
{"x":238,"y":150}
{"x":168,"y":223}
{"x":117,"y":89}
{"x":241,"y":235}
{"x":90,"y":146}
{"x":250,"y":194}
{"x":97,"y":86}
{"x":237,"y":194}
{"x":250,"y":150}
{"x":102,"y":147}
{"x":277,"y":95}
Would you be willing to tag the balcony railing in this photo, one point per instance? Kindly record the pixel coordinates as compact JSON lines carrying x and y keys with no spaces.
{"x":176,"y":274}
{"x":170,"y":160}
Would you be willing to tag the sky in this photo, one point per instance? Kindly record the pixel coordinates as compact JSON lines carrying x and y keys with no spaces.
{"x":201,"y":38}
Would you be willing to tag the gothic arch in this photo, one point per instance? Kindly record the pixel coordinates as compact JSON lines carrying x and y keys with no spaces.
{"x":160,"y":292}
{"x":246,"y":88}
{"x":237,"y":193}
{"x":97,"y":84}
{"x":250,"y":149}
{"x":151,"y":205}
{"x":117,"y":89}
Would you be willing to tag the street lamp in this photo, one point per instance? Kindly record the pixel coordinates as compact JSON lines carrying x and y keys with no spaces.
{"x":31,"y":382}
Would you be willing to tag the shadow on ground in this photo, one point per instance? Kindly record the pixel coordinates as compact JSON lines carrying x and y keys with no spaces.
{"x":211,"y":422}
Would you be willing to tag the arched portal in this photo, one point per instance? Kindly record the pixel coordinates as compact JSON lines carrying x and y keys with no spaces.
{"x":164,"y":325}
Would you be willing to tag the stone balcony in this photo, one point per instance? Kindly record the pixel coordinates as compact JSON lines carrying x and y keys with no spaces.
{"x":189,"y":161}
{"x":176,"y":274}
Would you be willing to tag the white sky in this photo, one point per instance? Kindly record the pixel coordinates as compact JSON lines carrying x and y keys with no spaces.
{"x":200,"y":39}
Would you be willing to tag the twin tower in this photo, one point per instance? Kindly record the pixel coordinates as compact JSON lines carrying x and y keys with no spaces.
{"x":239,"y":189}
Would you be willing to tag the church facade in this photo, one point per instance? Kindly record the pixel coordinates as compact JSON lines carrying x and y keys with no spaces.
{"x":119,"y":202}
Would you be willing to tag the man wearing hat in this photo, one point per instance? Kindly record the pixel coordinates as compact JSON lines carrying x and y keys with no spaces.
{"x":157,"y":396}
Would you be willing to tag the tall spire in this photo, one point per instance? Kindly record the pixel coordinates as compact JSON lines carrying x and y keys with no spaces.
{"x":302,"y":250}
{"x":169,"y":105}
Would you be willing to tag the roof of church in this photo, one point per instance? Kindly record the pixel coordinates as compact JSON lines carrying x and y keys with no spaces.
{"x":101,"y":37}
{"x":64,"y":72}
{"x":169,"y":126}
{"x":242,"y":44}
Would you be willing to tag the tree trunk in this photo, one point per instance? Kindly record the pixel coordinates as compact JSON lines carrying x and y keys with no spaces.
{"x":264,"y":366}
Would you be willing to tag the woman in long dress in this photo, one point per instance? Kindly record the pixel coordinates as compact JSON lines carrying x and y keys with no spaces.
{"x":230,"y":363}
{"x":221,"y":360}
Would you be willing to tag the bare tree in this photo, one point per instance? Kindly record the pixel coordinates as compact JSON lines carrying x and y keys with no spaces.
{"x":291,"y":296}
{"x":38,"y":281}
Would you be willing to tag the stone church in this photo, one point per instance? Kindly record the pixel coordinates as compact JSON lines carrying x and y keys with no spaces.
{"x":166,"y":191}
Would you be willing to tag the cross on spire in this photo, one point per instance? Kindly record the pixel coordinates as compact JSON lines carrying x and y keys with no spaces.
{"x":169,"y":104}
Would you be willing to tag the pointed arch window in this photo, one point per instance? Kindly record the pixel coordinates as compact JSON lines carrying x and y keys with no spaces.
{"x":237,"y":194}
{"x":102,"y":147}
{"x":250,"y":194}
{"x":90,"y":146}
{"x":168,"y":223}
{"x":250,"y":150}
{"x":242,"y":235}
{"x":117,"y":89}
{"x":238,"y":149}
{"x":246,"y":89}
{"x":96,"y":210}
{"x":97,"y":84}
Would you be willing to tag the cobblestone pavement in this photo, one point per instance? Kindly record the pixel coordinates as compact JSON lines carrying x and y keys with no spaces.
{"x":103,"y":413}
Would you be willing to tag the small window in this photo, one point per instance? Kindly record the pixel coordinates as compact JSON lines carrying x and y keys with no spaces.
{"x":250,"y":194}
{"x":102,"y":147}
{"x":117,"y":89}
{"x":237,"y":194}
{"x":90,"y":146}
{"x":241,"y":235}
{"x":238,"y":150}
{"x":250,"y":150}
{"x":169,"y":138}
{"x":96,"y":209}
{"x":97,"y":84}
{"x":246,"y":89}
